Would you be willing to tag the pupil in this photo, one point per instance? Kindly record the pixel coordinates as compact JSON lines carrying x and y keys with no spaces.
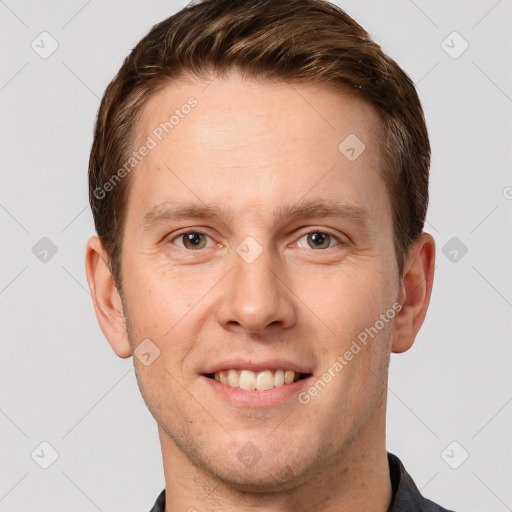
{"x":193,"y":239}
{"x":319,"y":239}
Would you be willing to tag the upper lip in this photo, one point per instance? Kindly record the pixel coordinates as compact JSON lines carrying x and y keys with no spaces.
{"x":258,"y":365}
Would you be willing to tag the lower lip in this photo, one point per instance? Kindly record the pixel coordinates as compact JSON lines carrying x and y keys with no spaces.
{"x":255,"y":398}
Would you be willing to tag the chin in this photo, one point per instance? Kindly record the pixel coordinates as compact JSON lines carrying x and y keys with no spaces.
{"x":262,"y":466}
{"x":264,"y":479}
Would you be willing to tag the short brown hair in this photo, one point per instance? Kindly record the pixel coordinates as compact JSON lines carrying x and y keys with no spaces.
{"x":287,"y":40}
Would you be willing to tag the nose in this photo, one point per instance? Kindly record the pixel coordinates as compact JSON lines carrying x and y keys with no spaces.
{"x":257,"y":296}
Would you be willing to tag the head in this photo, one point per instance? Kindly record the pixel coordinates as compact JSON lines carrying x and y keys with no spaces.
{"x":259,"y":185}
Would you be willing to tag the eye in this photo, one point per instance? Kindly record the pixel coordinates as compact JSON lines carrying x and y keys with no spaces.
{"x":317,"y":240}
{"x":191,"y":240}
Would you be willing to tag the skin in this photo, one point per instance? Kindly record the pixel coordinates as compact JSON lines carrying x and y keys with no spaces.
{"x":254,"y":147}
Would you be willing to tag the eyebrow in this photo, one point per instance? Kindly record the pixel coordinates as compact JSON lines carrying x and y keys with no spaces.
{"x":169,"y":211}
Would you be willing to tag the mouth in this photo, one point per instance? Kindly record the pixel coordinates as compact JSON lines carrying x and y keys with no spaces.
{"x":257,"y":380}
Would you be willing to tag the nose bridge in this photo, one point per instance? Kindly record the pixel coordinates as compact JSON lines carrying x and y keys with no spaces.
{"x":257,"y":296}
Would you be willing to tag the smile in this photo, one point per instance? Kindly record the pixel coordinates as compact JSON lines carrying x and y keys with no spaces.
{"x":261,"y":380}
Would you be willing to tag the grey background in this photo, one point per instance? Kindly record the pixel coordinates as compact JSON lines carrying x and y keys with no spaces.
{"x":60,"y":381}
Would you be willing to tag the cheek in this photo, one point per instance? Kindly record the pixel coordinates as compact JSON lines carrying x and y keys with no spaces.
{"x":155,"y":306}
{"x":351,"y":307}
{"x":161,"y":296}
{"x":160,"y":311}
{"x":347,"y":299}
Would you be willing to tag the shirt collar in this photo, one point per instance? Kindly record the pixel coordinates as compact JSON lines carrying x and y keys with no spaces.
{"x":406,"y":496}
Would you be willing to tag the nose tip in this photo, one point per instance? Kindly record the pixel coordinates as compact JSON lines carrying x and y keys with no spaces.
{"x":256,"y":298}
{"x":254,"y":313}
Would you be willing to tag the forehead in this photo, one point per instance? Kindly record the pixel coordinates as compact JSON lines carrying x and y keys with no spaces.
{"x":256,"y":145}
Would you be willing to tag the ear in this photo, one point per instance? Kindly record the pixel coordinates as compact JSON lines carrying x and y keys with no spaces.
{"x":106,"y":299}
{"x":416,"y":288}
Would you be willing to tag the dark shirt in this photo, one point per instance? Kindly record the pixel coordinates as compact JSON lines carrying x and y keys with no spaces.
{"x":406,"y":496}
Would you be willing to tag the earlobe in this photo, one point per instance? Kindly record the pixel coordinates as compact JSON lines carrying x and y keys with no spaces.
{"x":106,"y":299}
{"x":415,"y":292}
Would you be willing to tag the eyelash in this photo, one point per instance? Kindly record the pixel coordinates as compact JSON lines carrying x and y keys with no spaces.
{"x":333,"y":237}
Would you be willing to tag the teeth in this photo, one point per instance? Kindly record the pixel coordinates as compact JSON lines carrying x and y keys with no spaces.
{"x":289,"y":376}
{"x":278,"y":378}
{"x":247,"y":380}
{"x":233,"y":378}
{"x":263,"y":380}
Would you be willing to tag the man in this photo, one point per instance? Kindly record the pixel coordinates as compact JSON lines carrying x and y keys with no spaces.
{"x":259,"y":185}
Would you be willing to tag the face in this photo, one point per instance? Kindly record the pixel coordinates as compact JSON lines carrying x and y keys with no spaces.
{"x":254,"y":241}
